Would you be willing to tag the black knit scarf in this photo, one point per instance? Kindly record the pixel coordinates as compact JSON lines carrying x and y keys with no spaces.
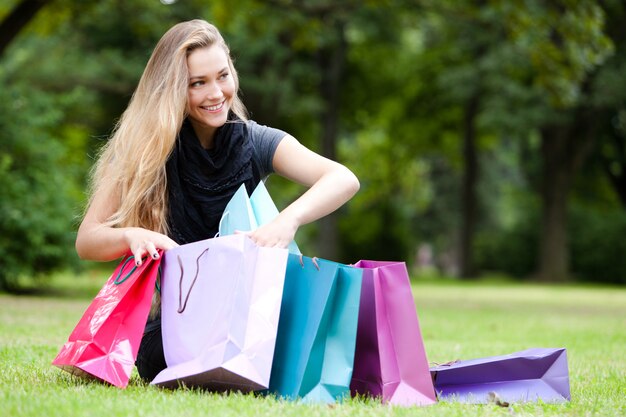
{"x":201,"y":182}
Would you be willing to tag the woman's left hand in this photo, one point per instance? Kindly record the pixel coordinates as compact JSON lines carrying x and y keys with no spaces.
{"x":278,"y":233}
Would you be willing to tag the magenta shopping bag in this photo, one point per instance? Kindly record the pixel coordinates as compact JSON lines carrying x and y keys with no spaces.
{"x":390,"y":359}
{"x":105,"y":342}
{"x":220,"y":303}
{"x":529,"y":375}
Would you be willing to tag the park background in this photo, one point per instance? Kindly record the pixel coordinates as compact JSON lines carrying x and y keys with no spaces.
{"x":489,"y":137}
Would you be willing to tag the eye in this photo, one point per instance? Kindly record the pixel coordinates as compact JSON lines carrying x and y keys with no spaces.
{"x":224,"y":76}
{"x":197,"y":83}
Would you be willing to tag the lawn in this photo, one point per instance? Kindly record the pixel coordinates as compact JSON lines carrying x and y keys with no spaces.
{"x":458,"y":321}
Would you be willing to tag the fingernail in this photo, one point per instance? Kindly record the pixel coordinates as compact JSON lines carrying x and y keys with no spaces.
{"x":137,"y":263}
{"x":155,"y":256}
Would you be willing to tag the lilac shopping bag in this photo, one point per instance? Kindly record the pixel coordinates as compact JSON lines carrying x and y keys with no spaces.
{"x":529,"y":375}
{"x":220,"y":303}
{"x":390,"y":359}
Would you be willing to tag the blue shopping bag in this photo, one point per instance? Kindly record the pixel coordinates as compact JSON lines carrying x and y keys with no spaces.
{"x":245,"y":213}
{"x":314,"y":354}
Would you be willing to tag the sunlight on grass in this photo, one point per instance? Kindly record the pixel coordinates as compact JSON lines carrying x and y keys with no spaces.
{"x":458,"y":321}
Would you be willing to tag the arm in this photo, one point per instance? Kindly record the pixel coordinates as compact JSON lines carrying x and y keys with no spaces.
{"x":330,"y":186}
{"x":99,"y":242}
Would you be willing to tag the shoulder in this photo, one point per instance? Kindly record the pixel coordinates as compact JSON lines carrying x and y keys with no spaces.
{"x":265,"y":140}
{"x":258,"y":132}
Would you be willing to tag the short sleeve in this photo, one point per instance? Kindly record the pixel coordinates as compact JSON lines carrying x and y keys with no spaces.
{"x":265,"y":141}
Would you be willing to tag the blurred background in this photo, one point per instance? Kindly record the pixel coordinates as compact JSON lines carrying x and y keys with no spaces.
{"x":489,"y":136}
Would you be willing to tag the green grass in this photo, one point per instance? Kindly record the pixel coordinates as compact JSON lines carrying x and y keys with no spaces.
{"x":458,"y":321}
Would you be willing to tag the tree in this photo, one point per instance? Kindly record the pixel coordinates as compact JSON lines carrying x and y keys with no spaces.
{"x":293,"y":73}
{"x":564,"y":42}
{"x":55,"y":101}
{"x":17,"y":19}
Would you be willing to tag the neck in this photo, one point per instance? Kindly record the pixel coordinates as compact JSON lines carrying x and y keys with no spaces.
{"x":205,"y":134}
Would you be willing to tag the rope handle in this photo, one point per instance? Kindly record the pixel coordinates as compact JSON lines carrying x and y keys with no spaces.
{"x":450,"y":363}
{"x":157,"y":282}
{"x":219,"y":226}
{"x":182,"y":306}
{"x":313,"y":259}
{"x":119,"y":281}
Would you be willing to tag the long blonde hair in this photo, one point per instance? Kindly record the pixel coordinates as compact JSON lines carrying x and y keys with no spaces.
{"x":133,"y":161}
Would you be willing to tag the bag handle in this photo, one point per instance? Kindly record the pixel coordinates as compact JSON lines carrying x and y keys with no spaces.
{"x":219,"y":226}
{"x":157,"y":282}
{"x":182,"y":306}
{"x":119,"y":281}
{"x":313,"y":260}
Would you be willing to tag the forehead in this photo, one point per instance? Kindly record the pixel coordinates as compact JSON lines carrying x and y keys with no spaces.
{"x":208,"y":60}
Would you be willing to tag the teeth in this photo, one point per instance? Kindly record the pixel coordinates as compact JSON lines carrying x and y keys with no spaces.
{"x":214,"y":108}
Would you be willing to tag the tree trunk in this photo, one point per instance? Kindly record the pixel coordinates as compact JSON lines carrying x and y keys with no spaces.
{"x":556,"y":181}
{"x":15,"y":21}
{"x":617,"y":177}
{"x":331,"y":62}
{"x":468,"y":191}
{"x":564,"y":150}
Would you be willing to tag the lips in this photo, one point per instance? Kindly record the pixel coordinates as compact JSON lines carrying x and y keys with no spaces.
{"x":215,"y":108}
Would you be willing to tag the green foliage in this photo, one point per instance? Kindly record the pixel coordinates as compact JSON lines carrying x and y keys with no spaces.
{"x":410,"y":69}
{"x":36,"y":208}
{"x":563,"y":41}
{"x":512,"y":250}
{"x":597,"y":245}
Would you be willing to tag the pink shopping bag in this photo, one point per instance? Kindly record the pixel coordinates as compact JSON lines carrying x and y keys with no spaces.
{"x":105,"y":342}
{"x":390,"y":359}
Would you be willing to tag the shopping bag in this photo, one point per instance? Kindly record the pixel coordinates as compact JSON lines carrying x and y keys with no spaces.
{"x":105,"y":342}
{"x":243,"y":213}
{"x":220,"y":303}
{"x":529,"y":375}
{"x":390,"y":359}
{"x":317,"y":331}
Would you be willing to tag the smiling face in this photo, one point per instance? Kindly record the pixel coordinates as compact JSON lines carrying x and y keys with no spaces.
{"x":211,"y":91}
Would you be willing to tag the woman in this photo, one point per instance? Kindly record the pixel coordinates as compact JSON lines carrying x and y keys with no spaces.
{"x":177,"y":155}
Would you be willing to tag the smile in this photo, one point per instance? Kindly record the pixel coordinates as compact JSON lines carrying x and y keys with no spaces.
{"x":214,"y":108}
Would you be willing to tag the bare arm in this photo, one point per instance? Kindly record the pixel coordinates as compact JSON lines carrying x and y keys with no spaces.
{"x":99,"y":242}
{"x":330,"y":186}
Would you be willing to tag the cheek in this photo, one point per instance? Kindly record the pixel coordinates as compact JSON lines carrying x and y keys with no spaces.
{"x":194,"y":99}
{"x":229,"y":88}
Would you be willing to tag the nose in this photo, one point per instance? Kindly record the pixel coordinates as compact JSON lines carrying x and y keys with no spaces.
{"x":214,"y":92}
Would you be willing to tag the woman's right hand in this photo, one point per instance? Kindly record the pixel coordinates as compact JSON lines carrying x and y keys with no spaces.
{"x":143,"y":242}
{"x":97,"y":241}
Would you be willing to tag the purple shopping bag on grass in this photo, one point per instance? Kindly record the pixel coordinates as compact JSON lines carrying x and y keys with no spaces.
{"x":220,"y":303}
{"x":529,"y":375}
{"x":390,"y":359}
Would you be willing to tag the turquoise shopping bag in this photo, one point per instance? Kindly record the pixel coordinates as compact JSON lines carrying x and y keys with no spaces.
{"x":245,"y":213}
{"x":314,"y":354}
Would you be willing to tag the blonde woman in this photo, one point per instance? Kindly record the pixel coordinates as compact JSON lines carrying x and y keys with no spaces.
{"x":177,"y":155}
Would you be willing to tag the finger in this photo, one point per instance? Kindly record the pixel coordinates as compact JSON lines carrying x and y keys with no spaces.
{"x":170,"y":244}
{"x":165,"y":244}
{"x":138,"y":253}
{"x":151,"y":249}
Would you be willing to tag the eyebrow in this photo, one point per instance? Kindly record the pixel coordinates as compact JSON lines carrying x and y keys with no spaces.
{"x":194,"y":77}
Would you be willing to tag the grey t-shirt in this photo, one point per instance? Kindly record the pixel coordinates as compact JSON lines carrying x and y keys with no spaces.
{"x":265,"y":141}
